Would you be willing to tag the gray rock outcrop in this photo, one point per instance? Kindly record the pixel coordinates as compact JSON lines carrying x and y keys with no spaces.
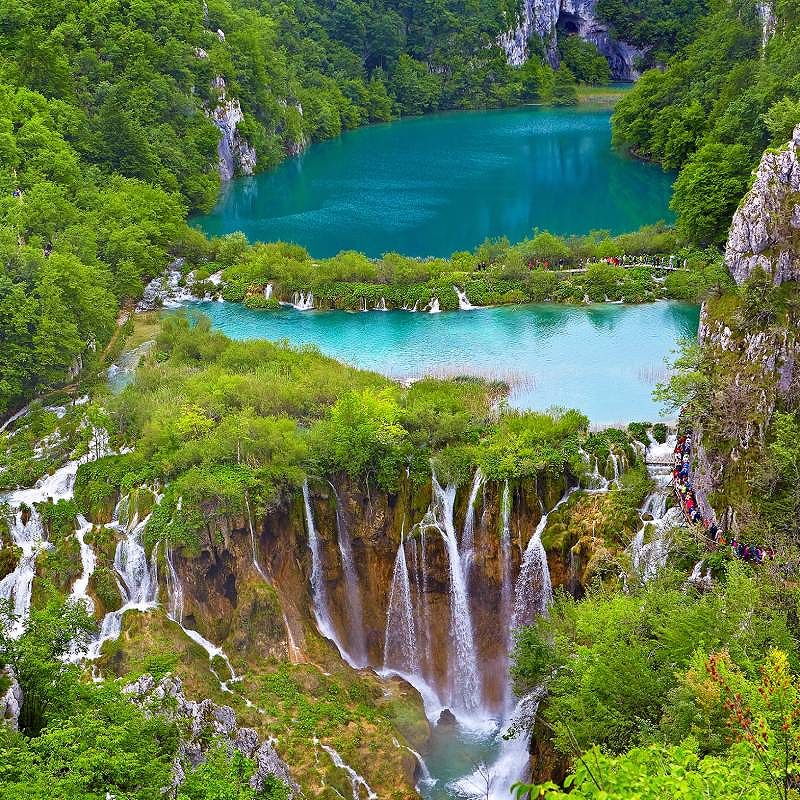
{"x":547,"y":18}
{"x":11,"y":702}
{"x":203,"y":722}
{"x":236,"y":155}
{"x":765,"y":231}
{"x":761,"y":362}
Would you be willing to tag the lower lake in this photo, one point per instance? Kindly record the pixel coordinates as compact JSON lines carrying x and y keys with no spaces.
{"x":602,"y":359}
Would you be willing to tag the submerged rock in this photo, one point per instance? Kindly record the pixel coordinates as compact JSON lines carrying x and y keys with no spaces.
{"x":204,"y":721}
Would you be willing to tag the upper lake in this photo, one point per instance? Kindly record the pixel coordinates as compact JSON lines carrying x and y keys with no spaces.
{"x":433,"y":185}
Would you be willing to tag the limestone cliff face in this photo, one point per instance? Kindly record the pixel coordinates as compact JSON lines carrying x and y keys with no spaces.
{"x":765,"y":231}
{"x":756,"y":367}
{"x":236,"y":155}
{"x":547,"y":18}
{"x":251,"y":615}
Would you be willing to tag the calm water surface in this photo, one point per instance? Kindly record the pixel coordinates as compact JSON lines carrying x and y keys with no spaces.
{"x":603,"y":360}
{"x":441,"y":183}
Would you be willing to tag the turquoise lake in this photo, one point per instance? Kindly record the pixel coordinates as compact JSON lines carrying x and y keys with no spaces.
{"x":601,"y":359}
{"x":433,"y":185}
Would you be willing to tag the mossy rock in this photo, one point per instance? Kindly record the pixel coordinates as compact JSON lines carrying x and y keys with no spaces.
{"x":148,"y":642}
{"x":104,"y":591}
{"x":9,"y":558}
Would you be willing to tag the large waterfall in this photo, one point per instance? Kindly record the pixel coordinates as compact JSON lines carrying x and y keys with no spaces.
{"x":355,"y":616}
{"x":27,"y":530}
{"x":400,"y":651}
{"x":468,"y":535}
{"x":319,"y":588}
{"x":137,"y":577}
{"x":534,"y":590}
{"x":464,"y":677}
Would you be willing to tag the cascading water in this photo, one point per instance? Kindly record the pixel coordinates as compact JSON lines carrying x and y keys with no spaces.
{"x":433,"y":307}
{"x":319,"y":589}
{"x":88,"y":563}
{"x":355,"y":616}
{"x":463,"y":301}
{"x":18,"y":584}
{"x":648,"y":558}
{"x":468,"y":534}
{"x":494,"y":782}
{"x":175,"y":613}
{"x":357,"y":781}
{"x":506,"y":584}
{"x":381,"y":306}
{"x":137,"y":578}
{"x":400,"y":651}
{"x":302,"y":301}
{"x":27,"y":530}
{"x":533,"y":593}
{"x":464,"y":677}
{"x":268,"y":292}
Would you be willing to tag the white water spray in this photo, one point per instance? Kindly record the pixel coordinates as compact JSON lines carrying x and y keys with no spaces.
{"x":400,"y":642}
{"x":465,"y":688}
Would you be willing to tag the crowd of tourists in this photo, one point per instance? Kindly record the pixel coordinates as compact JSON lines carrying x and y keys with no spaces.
{"x":682,"y":481}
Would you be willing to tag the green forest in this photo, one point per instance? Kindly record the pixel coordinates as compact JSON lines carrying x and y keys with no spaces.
{"x":213,"y":456}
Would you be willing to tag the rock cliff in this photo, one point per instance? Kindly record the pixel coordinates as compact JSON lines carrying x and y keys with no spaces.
{"x":765,"y":231}
{"x":753,"y":367}
{"x":236,"y":155}
{"x":203,"y":722}
{"x":549,"y":18}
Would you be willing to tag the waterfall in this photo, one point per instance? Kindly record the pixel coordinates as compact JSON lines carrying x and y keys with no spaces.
{"x":319,"y":590}
{"x":647,"y":559}
{"x":468,"y":534}
{"x":364,"y":304}
{"x":355,"y":617}
{"x":174,"y":590}
{"x":18,"y":584}
{"x":494,"y":782}
{"x":423,"y":773}
{"x":433,"y":306}
{"x":175,"y":613}
{"x":463,"y":301}
{"x":88,"y":563}
{"x":357,"y":781}
{"x":381,"y":306}
{"x":533,"y":593}
{"x":137,"y":578}
{"x":253,"y":548}
{"x":400,"y":641}
{"x":268,"y":292}
{"x":302,"y":301}
{"x":30,"y":537}
{"x":464,"y":676}
{"x":506,"y":600}
{"x":422,"y":586}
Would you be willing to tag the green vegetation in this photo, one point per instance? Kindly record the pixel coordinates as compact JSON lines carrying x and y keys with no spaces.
{"x":721,"y":101}
{"x":663,"y":27}
{"x":231,"y":427}
{"x":81,"y":740}
{"x":496,"y":273}
{"x":659,"y":675}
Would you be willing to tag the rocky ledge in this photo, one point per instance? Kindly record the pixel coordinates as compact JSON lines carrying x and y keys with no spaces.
{"x":202,"y":723}
{"x":765,"y":231}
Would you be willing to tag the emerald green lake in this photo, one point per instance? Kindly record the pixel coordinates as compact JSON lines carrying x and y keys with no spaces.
{"x":603,"y":359}
{"x":429,"y":186}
